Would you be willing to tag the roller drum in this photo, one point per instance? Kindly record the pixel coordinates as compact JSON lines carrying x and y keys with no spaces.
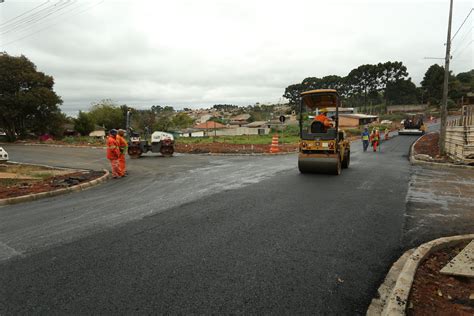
{"x":330,"y":165}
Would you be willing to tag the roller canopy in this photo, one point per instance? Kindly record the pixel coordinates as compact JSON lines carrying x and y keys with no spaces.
{"x":321,"y":98}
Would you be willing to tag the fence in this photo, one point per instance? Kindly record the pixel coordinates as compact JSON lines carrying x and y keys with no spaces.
{"x":460,"y":135}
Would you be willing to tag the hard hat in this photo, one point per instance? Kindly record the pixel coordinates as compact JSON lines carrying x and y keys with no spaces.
{"x":113,"y":131}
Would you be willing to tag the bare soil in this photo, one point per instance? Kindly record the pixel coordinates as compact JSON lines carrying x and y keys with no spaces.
{"x":18,"y":180}
{"x":226,"y":148}
{"x":428,"y":145}
{"x":434,"y":293}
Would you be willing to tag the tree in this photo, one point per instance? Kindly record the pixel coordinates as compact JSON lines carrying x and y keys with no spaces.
{"x":108,"y":114}
{"x":292,"y":94}
{"x":163,"y":123}
{"x":432,"y":83}
{"x":84,"y":123}
{"x":333,"y":82}
{"x":401,"y":92}
{"x":182,"y":120}
{"x":158,"y":109}
{"x":390,"y":72}
{"x":362,"y":81}
{"x":28,"y":102}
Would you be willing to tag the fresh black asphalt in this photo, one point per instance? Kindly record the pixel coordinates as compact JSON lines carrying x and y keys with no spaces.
{"x":285,"y":244}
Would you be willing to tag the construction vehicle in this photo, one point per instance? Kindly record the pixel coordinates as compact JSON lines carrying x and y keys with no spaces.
{"x":160,"y":142}
{"x":412,"y":125}
{"x":3,"y":154}
{"x":321,"y":150}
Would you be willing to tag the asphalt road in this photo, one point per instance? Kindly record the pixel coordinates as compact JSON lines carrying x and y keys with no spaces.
{"x":206,"y":234}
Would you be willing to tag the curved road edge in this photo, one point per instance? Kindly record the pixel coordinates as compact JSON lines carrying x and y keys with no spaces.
{"x":438,"y":165}
{"x":75,"y":188}
{"x":393,"y":293}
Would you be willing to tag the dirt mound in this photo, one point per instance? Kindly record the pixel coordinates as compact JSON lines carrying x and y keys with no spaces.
{"x":428,"y":145}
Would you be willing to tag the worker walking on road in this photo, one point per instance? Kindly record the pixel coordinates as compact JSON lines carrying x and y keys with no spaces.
{"x":122,"y":144}
{"x":374,"y":138}
{"x":365,"y":138}
{"x":113,"y":153}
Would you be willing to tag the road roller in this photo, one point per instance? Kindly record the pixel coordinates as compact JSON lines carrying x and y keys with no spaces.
{"x":322,"y":149}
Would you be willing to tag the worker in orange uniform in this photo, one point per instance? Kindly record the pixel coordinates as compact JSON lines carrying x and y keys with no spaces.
{"x":374,"y":138}
{"x":113,"y":153}
{"x":322,"y":117}
{"x":122,"y":144}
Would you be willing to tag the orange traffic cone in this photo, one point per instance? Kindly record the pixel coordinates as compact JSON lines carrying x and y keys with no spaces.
{"x":274,"y":147}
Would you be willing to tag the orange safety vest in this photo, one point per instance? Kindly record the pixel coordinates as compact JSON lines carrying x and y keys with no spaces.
{"x":122,"y":144}
{"x":323,"y":119}
{"x":113,"y":151}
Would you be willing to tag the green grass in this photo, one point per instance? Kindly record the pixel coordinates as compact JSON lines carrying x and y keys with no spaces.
{"x":43,"y":175}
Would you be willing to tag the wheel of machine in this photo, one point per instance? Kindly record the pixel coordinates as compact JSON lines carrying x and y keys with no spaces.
{"x":338,"y":169}
{"x":134,"y":152}
{"x":347,"y":159}
{"x":167,"y":151}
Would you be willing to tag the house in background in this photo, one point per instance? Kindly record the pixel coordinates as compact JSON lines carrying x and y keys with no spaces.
{"x":191,"y":132}
{"x":332,"y":111}
{"x":239,"y":120}
{"x":355,"y":120}
{"x":68,"y":130}
{"x":98,"y":132}
{"x":204,"y":118}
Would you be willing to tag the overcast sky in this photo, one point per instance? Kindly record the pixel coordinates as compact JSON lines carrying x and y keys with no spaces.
{"x":199,"y":53}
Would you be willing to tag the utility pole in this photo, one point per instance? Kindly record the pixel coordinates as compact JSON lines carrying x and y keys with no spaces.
{"x":444,"y":101}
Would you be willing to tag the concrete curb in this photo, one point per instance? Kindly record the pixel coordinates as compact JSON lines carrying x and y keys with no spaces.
{"x":394,"y":295}
{"x":75,"y":188}
{"x":435,"y":165}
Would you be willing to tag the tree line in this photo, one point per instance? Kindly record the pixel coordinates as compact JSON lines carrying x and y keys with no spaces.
{"x":29,"y":105}
{"x":386,"y":83}
{"x":107,"y":114}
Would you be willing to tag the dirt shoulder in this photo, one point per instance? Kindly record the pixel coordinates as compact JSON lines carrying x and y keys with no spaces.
{"x":226,"y":148}
{"x":217,"y":147}
{"x":19,"y":180}
{"x":435,"y":293}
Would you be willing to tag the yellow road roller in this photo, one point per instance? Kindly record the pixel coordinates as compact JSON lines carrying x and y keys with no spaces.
{"x":323,"y":148}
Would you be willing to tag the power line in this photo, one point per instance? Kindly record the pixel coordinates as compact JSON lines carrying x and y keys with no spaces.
{"x":35,"y":26}
{"x":45,"y":28}
{"x":31,"y":16}
{"x":36,"y":20}
{"x":462,"y":39}
{"x":462,"y":50}
{"x":462,"y":24}
{"x":8,"y":21}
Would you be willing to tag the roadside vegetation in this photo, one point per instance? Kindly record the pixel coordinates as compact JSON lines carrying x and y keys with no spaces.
{"x":369,"y":88}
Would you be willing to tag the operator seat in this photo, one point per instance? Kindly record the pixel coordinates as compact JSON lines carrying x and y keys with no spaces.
{"x":317,"y":127}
